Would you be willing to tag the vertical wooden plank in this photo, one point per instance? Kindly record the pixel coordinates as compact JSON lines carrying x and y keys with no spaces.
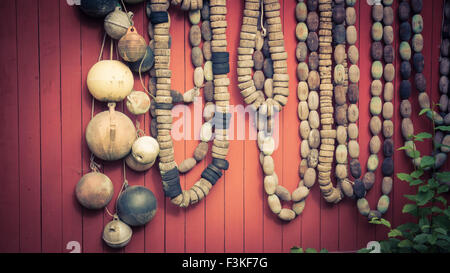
{"x":254,"y":196}
{"x":311,"y":216}
{"x":29,"y":137}
{"x":435,"y":21}
{"x":273,"y":227}
{"x":195,"y":215}
{"x":9,"y":196}
{"x":347,"y":208}
{"x":234,"y":176}
{"x":137,"y":243}
{"x":49,"y":44}
{"x":175,"y":217}
{"x":329,"y":217}
{"x":365,"y":231}
{"x":71,"y":129}
{"x":91,"y":41}
{"x":154,"y":230}
{"x":381,"y":231}
{"x":291,"y":138}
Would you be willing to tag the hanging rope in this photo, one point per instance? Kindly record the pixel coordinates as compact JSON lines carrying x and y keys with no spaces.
{"x":140,"y":77}
{"x":124,"y":185}
{"x":139,"y":131}
{"x":261,"y":17}
{"x":94,"y":166}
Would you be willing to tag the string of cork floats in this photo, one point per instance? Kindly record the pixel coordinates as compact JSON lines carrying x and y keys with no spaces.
{"x":411,"y":46}
{"x":327,"y":132}
{"x":308,"y":63}
{"x":442,"y":137}
{"x":382,"y":51}
{"x":164,"y":103}
{"x":344,"y":20}
{"x":261,"y":49}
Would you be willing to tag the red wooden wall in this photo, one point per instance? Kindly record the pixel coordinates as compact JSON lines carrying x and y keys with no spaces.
{"x":47,"y":48}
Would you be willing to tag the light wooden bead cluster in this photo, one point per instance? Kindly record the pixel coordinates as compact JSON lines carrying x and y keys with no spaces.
{"x":267,"y":56}
{"x":188,"y":4}
{"x":341,"y":79}
{"x":416,"y":46}
{"x":327,"y":132}
{"x":308,"y":41}
{"x":444,"y":71}
{"x":348,"y":133}
{"x":164,"y":99}
{"x":405,"y":90}
{"x":382,"y":16}
{"x":202,"y":73}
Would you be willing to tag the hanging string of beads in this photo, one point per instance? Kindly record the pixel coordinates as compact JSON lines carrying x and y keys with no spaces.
{"x":350,"y":94}
{"x":405,"y":33}
{"x":341,"y":36}
{"x":307,"y":91}
{"x":327,"y":132}
{"x":275,"y":79}
{"x":381,"y":50}
{"x":442,"y":137}
{"x":164,"y":102}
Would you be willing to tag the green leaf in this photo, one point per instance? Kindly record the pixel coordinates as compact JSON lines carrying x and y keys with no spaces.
{"x":443,"y":244}
{"x":443,"y":176}
{"x":386,"y":223}
{"x":441,"y":199}
{"x":422,"y":136}
{"x":410,"y":197}
{"x":324,"y":250}
{"x":442,"y":189}
{"x":404,"y":177}
{"x":441,"y":231}
{"x":415,"y":182}
{"x":404,"y":148}
{"x":414,"y":154}
{"x":424,"y":224}
{"x":424,"y":188}
{"x":364,"y":250}
{"x":296,"y":250}
{"x":432,"y":239}
{"x":424,"y":111}
{"x":433,"y":183}
{"x":394,"y":233}
{"x":413,"y":227}
{"x":424,"y":211}
{"x":408,"y":208}
{"x":405,"y":243}
{"x":443,"y":128}
{"x":310,"y":250}
{"x":426,"y":162}
{"x":421,"y":238}
{"x":436,"y":210}
{"x":424,"y":197}
{"x":420,"y":247}
{"x":416,"y":174}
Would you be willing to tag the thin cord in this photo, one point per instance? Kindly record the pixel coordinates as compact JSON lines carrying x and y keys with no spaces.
{"x":111,"y":50}
{"x":140,"y":76}
{"x":124,"y":185}
{"x":103,"y":46}
{"x":126,"y":11}
{"x":263,"y":30}
{"x":94,"y":166}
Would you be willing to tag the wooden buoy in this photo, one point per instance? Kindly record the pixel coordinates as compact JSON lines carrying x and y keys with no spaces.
{"x":94,"y":190}
{"x":132,"y":46}
{"x":110,"y":80}
{"x":98,"y":8}
{"x":110,"y":134}
{"x":117,"y":23}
